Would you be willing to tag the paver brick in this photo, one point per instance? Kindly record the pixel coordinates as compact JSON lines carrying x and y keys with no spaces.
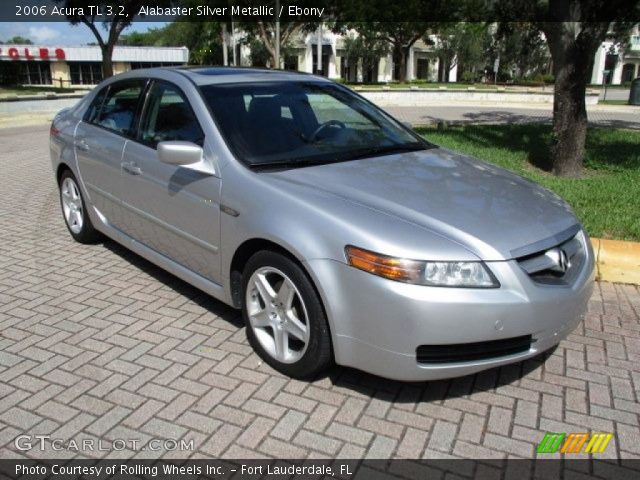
{"x":443,"y":436}
{"x":289,"y":425}
{"x":381,"y":447}
{"x":322,"y":443}
{"x":472,"y":428}
{"x":17,"y":417}
{"x":253,"y":434}
{"x":349,"y":434}
{"x":413,"y":443}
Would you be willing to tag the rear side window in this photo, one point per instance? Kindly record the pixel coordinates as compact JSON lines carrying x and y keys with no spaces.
{"x":118,"y":108}
{"x":168,"y":116}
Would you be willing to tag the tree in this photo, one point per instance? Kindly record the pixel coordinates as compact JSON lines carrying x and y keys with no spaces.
{"x":460,"y":44}
{"x":124,"y":12}
{"x":574,"y":30}
{"x":401,"y":36}
{"x":203,"y":39}
{"x":390,"y":22}
{"x":264,"y":29}
{"x":365,"y":47}
{"x":265,"y":33}
{"x":18,"y":40}
{"x":522,"y":48}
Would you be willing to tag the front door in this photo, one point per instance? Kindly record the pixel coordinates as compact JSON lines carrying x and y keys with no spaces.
{"x":173,"y":210}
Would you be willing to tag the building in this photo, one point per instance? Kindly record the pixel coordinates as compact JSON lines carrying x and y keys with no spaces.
{"x":77,"y":66}
{"x":617,"y":63}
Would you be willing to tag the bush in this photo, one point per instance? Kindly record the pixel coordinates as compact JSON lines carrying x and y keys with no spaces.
{"x":468,"y":77}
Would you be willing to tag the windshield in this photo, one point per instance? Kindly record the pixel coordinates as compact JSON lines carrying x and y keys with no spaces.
{"x":299,"y":124}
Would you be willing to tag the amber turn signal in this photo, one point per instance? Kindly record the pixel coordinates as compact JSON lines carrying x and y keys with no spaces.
{"x":398,"y":269}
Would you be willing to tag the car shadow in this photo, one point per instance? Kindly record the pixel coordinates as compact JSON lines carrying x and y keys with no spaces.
{"x":186,"y":290}
{"x":433,"y":391}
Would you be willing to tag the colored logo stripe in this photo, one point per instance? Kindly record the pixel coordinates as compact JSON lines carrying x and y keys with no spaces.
{"x":574,"y":442}
{"x":551,"y":442}
{"x":598,"y":442}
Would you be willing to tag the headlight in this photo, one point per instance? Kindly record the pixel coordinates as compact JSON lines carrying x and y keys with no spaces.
{"x":435,"y":274}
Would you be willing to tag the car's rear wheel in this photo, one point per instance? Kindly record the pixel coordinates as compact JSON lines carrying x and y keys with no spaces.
{"x":74,"y":210}
{"x":286,"y":324}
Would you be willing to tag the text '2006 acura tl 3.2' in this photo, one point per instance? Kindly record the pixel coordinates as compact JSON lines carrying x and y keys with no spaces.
{"x":341,"y":234}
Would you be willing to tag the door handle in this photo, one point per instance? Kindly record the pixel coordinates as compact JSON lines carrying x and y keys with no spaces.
{"x":131,"y":168}
{"x":82,"y":145}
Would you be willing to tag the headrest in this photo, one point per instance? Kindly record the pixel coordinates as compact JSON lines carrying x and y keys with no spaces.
{"x":265,"y":110}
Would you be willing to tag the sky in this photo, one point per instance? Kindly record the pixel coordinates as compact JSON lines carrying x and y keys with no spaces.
{"x":61,"y":33}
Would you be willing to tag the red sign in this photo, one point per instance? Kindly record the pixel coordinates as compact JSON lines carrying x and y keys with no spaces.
{"x":27,"y":53}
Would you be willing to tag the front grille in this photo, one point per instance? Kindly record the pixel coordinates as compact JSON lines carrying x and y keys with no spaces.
{"x":542,"y":268}
{"x":469,"y":352}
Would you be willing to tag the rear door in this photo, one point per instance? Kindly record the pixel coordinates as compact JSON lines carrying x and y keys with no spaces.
{"x":172,"y":209}
{"x":99,"y":144}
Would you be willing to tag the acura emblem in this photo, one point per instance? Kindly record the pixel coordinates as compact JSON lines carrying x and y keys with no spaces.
{"x":559,"y":257}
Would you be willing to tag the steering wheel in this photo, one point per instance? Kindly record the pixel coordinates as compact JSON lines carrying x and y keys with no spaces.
{"x":330,"y":123}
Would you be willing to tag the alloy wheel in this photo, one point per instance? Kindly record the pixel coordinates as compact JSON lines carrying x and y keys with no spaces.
{"x":277,"y":314}
{"x":72,"y":205}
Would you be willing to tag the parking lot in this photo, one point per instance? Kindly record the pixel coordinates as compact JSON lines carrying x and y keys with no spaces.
{"x":99,"y":344}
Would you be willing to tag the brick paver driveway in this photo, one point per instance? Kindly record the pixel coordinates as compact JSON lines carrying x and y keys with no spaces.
{"x":98,"y":344}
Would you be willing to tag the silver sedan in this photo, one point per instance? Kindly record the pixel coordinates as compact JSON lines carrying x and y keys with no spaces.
{"x":341,"y":234}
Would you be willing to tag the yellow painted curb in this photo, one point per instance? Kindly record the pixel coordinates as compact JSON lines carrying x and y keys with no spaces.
{"x":617,"y":261}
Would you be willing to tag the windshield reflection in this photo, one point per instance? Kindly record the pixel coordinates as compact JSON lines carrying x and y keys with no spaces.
{"x":294,"y":124}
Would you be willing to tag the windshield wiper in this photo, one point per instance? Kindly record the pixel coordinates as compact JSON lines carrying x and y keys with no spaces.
{"x":363,"y":153}
{"x":287,"y":164}
{"x":389,"y":149}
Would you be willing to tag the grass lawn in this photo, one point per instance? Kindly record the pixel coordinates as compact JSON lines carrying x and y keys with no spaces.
{"x":613,"y":102}
{"x":606,"y":199}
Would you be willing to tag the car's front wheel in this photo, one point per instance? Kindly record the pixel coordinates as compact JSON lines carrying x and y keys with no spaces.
{"x":286,"y":324}
{"x":74,"y":210}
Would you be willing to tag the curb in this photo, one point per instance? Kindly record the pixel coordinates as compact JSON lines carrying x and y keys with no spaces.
{"x":41,"y":96}
{"x":617,"y":261}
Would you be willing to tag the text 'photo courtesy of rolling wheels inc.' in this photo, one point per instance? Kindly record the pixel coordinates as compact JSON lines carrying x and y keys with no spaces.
{"x":319,"y":239}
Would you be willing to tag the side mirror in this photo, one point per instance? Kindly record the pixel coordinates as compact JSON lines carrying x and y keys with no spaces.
{"x":179,"y":153}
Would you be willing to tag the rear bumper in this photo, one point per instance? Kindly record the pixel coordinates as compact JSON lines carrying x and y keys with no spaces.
{"x":378,"y":324}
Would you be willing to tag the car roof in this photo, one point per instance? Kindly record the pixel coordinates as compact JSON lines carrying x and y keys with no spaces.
{"x":218,"y":75}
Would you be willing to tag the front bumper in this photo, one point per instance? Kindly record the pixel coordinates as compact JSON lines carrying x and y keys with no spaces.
{"x":378,"y":324}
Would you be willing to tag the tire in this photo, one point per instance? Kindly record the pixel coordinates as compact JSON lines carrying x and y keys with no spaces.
{"x":285,"y":321}
{"x":74,"y":210}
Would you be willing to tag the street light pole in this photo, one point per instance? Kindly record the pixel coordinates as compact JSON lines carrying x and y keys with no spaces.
{"x":233,"y":43}
{"x":225,"y":53}
{"x":319,"y":51}
{"x":277,"y":65}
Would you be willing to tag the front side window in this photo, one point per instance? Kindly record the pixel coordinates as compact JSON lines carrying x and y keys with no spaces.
{"x":303,"y":123}
{"x":168,"y":116}
{"x":119,"y":107}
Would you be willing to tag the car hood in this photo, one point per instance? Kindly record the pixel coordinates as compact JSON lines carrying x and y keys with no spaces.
{"x":494,"y":213}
